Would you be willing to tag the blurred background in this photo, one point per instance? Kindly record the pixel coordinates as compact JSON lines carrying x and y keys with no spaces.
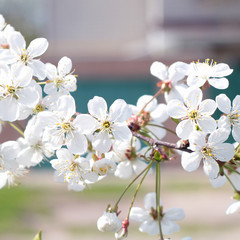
{"x":112,"y":45}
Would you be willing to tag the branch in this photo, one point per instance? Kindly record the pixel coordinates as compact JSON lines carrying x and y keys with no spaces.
{"x":161,"y":143}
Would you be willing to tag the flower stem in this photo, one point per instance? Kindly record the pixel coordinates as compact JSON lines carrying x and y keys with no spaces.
{"x":154,"y":142}
{"x":230,"y":182}
{"x":159,"y":91}
{"x":130,"y":184}
{"x":138,"y":187}
{"x":16,"y":128}
{"x":158,"y":184}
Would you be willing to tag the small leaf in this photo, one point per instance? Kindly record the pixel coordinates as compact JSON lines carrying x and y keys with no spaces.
{"x":157,"y":155}
{"x":177,"y":121}
{"x":38,"y":236}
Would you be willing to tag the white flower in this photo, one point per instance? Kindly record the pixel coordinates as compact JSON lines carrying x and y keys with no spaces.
{"x":127,"y":157}
{"x":109,"y":222}
{"x":5,"y":31}
{"x":17,"y":87}
{"x":10,"y":170}
{"x":148,"y":217}
{"x":153,"y":114}
{"x":231,"y":115}
{"x":233,"y":207}
{"x":62,"y":129}
{"x":211,"y":72}
{"x":194,"y":112}
{"x":60,"y":79}
{"x":170,"y":78}
{"x":103,"y":166}
{"x":18,"y":54}
{"x":34,"y":150}
{"x":209,"y":148}
{"x":73,"y":169}
{"x":109,"y":125}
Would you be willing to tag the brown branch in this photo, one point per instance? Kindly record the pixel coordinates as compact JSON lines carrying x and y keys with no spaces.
{"x":154,"y":142}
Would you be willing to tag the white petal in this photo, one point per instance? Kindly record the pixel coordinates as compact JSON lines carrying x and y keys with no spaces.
{"x":224,"y":152}
{"x":175,"y":214}
{"x":138,"y":166}
{"x":102,"y":142}
{"x":218,"y":136}
{"x":236,"y":103}
{"x":9,"y":109}
{"x":207,"y":124}
{"x":233,"y":207}
{"x":86,"y":123}
{"x":208,"y":107}
{"x":159,"y":70}
{"x":193,"y":97}
{"x":22,"y":75}
{"x":39,"y":69}
{"x":120,"y":111}
{"x":223,"y":103}
{"x":37,"y":47}
{"x":176,"y":109}
{"x":218,"y":182}
{"x":169,"y":227}
{"x":236,"y":133}
{"x":145,"y":99}
{"x":3,"y":179}
{"x":97,"y":107}
{"x":184,"y":129}
{"x":51,"y":71}
{"x":17,"y":42}
{"x":63,"y":154}
{"x":173,"y":71}
{"x":219,"y":83}
{"x":66,"y":104}
{"x":150,"y":201}
{"x":64,"y":66}
{"x":124,"y":170}
{"x":190,"y":161}
{"x":221,"y":69}
{"x":78,"y":144}
{"x":139,"y":214}
{"x":151,"y":227}
{"x":210,"y":167}
{"x":122,"y":132}
{"x":160,"y":113}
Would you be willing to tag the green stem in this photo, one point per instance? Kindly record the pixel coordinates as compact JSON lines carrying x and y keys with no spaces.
{"x":16,"y":128}
{"x":230,"y":182}
{"x":159,"y":91}
{"x":232,"y":169}
{"x":138,"y":187}
{"x":167,"y":129}
{"x":130,"y":184}
{"x":158,"y":184}
{"x":19,"y":126}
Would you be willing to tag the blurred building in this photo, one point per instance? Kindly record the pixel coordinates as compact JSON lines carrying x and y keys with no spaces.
{"x":116,"y":37}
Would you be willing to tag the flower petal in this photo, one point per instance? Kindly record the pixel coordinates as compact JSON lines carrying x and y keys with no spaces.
{"x":37,"y":47}
{"x":219,"y":83}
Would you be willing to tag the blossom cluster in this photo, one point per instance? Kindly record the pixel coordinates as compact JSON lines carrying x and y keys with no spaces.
{"x":85,"y":148}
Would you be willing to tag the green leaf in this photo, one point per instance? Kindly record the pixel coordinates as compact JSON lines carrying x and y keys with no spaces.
{"x":157,"y":156}
{"x":177,"y":121}
{"x":38,"y":236}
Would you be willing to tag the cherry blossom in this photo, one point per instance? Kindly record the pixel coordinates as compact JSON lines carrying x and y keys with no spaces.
{"x":18,"y":55}
{"x":60,"y":79}
{"x":109,"y":125}
{"x":194,"y":113}
{"x":201,"y":72}
{"x":170,"y":79}
{"x":211,"y":148}
{"x":148,"y":217}
{"x":231,"y":115}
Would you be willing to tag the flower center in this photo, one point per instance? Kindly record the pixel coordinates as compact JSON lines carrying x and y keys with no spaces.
{"x":207,"y":152}
{"x":234,"y":118}
{"x":193,"y":115}
{"x":67,"y":127}
{"x":25,"y":57}
{"x":38,"y":108}
{"x":154,"y":214}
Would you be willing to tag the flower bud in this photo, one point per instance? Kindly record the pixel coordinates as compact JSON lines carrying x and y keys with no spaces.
{"x":109,"y":222}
